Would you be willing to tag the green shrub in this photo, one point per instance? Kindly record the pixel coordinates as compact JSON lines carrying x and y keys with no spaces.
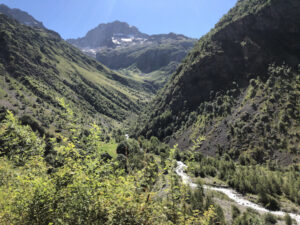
{"x":288,"y":220}
{"x":235,"y":212}
{"x":269,"y":219}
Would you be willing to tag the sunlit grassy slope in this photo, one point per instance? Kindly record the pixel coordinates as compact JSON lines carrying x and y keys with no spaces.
{"x":37,"y":67}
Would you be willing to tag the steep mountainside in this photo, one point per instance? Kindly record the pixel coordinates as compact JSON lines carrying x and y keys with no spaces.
{"x":38,"y":67}
{"x":21,"y":16}
{"x":123,"y":47}
{"x":212,"y":86}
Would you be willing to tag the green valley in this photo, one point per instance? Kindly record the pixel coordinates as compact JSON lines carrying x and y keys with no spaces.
{"x":121,"y":127}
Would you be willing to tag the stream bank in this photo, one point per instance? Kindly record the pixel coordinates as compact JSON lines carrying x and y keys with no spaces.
{"x":232,"y":194}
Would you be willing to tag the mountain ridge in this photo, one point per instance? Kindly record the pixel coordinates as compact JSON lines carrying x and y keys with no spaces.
{"x":103,"y":36}
{"x":21,"y":16}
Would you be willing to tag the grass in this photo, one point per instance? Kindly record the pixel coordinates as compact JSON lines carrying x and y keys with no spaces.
{"x":110,"y":148}
{"x":2,"y":93}
{"x":219,"y":195}
{"x":157,"y":78}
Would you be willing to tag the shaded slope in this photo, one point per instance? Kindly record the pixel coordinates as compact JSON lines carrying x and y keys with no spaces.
{"x":262,"y":123}
{"x":253,"y":35}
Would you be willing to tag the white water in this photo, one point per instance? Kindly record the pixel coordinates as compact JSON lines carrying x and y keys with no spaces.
{"x":238,"y":198}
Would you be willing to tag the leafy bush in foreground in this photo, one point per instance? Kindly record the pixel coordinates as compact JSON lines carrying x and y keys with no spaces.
{"x":84,"y":189}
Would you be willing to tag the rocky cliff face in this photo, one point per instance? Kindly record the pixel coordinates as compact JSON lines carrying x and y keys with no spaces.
{"x":21,"y":16}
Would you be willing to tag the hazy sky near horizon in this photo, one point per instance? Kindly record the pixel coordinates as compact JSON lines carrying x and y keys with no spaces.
{"x":74,"y":18}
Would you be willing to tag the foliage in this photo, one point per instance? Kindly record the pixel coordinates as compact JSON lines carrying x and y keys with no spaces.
{"x":288,"y":219}
{"x":86,"y":189}
{"x":249,"y":217}
{"x":269,"y":219}
{"x":17,"y":142}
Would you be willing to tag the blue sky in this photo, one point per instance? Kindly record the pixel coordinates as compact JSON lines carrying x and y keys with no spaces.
{"x":73,"y":18}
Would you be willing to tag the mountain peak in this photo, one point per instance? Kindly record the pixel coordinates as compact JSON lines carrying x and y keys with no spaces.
{"x":119,"y":34}
{"x":104,"y":35}
{"x":118,"y":22}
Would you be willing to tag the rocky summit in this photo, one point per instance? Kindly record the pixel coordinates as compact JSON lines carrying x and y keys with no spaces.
{"x":109,"y":35}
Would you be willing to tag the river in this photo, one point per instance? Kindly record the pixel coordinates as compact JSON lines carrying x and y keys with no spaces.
{"x":232,"y":194}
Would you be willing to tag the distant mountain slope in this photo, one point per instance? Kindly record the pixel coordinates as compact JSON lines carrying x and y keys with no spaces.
{"x":123,"y":47}
{"x":157,"y":52}
{"x":21,"y":16}
{"x":37,"y":67}
{"x":109,"y":35}
{"x":253,"y":35}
